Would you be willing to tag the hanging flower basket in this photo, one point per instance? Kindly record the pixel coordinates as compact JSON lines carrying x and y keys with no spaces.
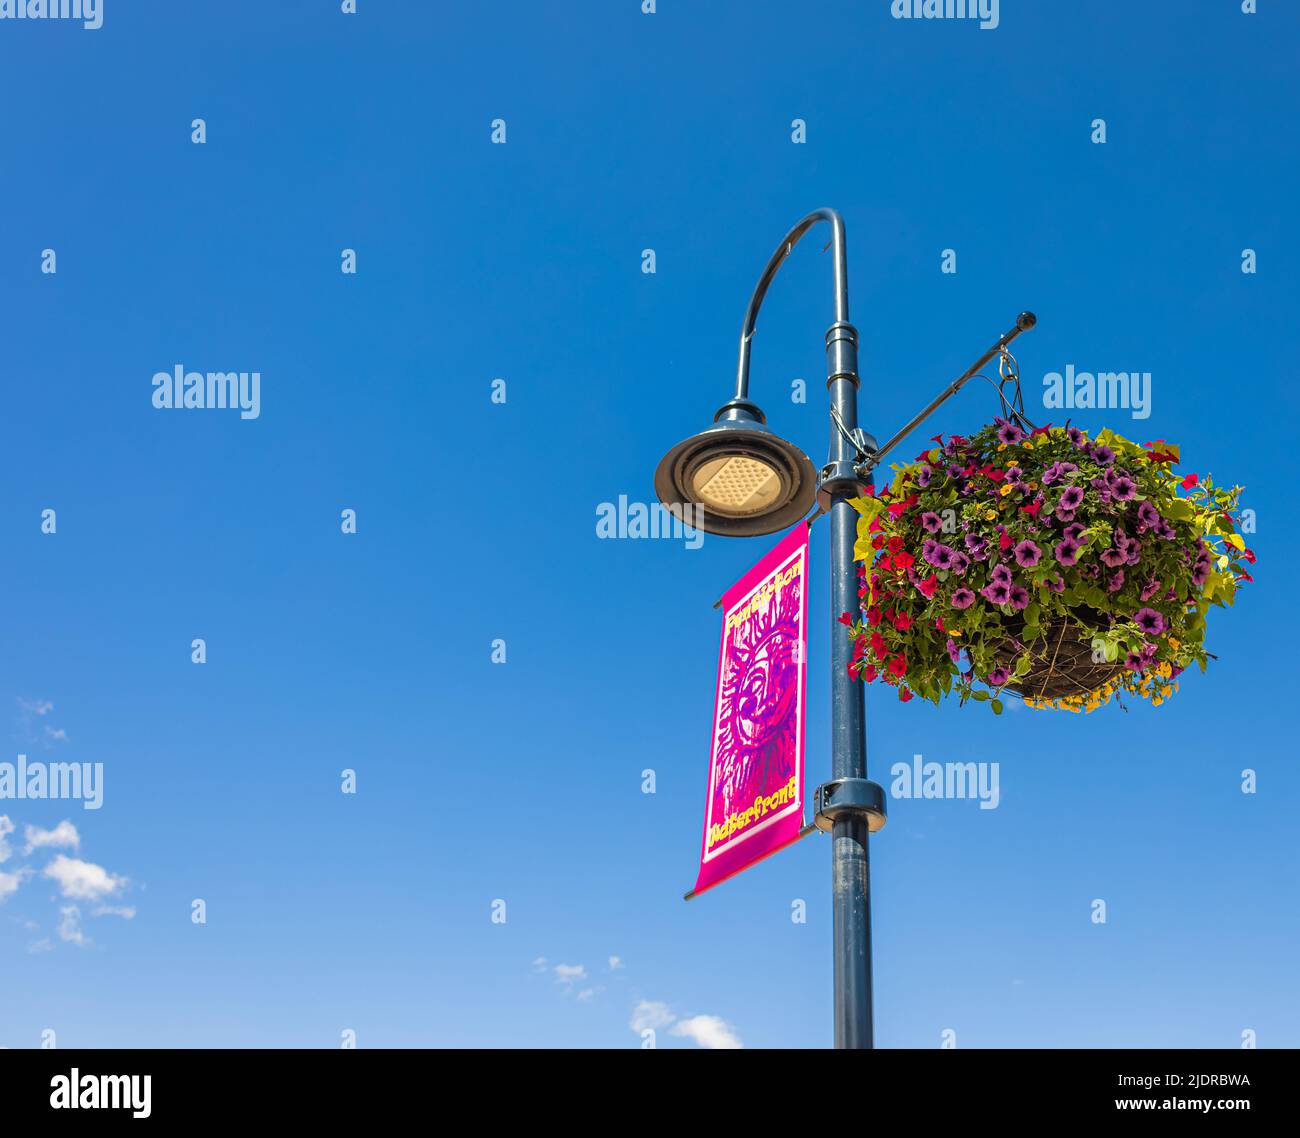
{"x":1064,"y":569}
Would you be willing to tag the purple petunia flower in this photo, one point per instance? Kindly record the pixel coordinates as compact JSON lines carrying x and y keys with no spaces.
{"x":931,"y":522}
{"x":1149,"y":590}
{"x":1075,"y":531}
{"x":1149,"y":621}
{"x":960,"y":563}
{"x":1123,"y":488}
{"x":1076,"y":436}
{"x":1019,"y":597}
{"x":940,"y":556}
{"x":963,"y":598}
{"x":1113,"y":557}
{"x":1071,"y":498}
{"x":997,"y":677}
{"x":1028,"y":554}
{"x":977,"y":546}
{"x":1148,"y":517}
{"x":1002,"y":573}
{"x":1008,"y":433}
{"x":954,"y":653}
{"x":1116,"y":582}
{"x":1057,"y":584}
{"x":1057,"y":471}
{"x":1067,"y":551}
{"x":996,"y":592}
{"x":1103,"y":455}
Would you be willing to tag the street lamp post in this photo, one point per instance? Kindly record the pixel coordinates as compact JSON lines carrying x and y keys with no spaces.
{"x":740,"y":479}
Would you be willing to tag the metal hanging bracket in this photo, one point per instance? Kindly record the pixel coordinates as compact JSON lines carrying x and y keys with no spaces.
{"x":842,"y":797}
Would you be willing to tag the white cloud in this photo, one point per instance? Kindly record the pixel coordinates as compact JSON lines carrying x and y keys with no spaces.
{"x":70,"y":926}
{"x":569,"y":973}
{"x":42,"y":945}
{"x":35,"y":706}
{"x":586,"y":994}
{"x":650,"y":1015}
{"x":539,"y":964}
{"x":615,"y":963}
{"x":710,"y":1032}
{"x":58,"y":734}
{"x":6,"y":828}
{"x":9,"y":883}
{"x":126,"y":912}
{"x":83,"y":880}
{"x":63,"y":836}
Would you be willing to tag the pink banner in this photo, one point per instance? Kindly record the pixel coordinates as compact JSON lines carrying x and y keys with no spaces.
{"x":755,"y":798}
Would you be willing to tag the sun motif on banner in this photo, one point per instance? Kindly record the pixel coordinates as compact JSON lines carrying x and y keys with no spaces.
{"x":757,"y":713}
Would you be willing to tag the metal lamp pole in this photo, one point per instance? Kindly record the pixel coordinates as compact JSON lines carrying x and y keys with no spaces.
{"x":849,"y":806}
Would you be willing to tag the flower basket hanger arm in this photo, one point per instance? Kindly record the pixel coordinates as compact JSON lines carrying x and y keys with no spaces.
{"x":1024,"y":322}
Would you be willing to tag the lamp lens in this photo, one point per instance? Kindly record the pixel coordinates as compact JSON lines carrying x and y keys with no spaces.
{"x":737,"y":486}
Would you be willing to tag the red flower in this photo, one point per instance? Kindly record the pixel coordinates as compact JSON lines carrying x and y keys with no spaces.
{"x":902,"y":622}
{"x":904,"y":694}
{"x":938,"y":623}
{"x":1190,"y":481}
{"x":878,"y":646}
{"x":1004,"y":542}
{"x":1160,"y":455}
{"x":846,"y":619}
{"x":895,"y":544}
{"x":873,"y":616}
{"x":897,"y":510}
{"x":929,"y":585}
{"x":869,"y":673}
{"x":878,"y":541}
{"x":904,"y":560}
{"x":1248,"y":555}
{"x":898,"y":665}
{"x":1032,"y":511}
{"x":994,"y":473}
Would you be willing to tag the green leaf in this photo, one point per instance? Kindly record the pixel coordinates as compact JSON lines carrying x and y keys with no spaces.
{"x":997,"y":706}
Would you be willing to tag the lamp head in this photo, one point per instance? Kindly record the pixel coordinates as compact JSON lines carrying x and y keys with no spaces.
{"x":739,"y":477}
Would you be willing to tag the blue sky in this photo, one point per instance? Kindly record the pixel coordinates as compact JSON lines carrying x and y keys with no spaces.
{"x":522,"y":781}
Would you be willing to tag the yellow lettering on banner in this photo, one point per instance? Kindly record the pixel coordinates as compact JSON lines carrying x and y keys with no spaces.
{"x":760,"y":808}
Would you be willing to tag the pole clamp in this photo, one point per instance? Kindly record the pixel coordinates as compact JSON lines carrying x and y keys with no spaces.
{"x":846,"y":798}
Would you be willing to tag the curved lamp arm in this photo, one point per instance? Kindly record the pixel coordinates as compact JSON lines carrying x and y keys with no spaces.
{"x":777,"y":260}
